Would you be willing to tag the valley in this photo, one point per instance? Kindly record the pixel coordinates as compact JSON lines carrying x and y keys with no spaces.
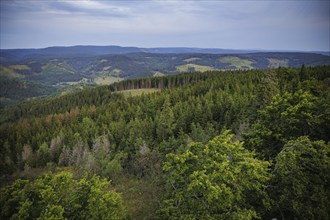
{"x":61,"y":70}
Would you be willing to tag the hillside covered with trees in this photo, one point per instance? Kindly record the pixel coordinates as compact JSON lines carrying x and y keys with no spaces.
{"x":30,"y":73}
{"x":235,"y":144}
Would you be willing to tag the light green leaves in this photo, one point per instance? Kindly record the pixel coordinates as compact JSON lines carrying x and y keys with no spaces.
{"x":214,"y":181}
{"x":61,"y":197}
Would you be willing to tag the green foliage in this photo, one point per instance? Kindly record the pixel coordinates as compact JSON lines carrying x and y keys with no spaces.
{"x":101,"y":131}
{"x":288,"y":116}
{"x":43,"y":155}
{"x":300,"y":183}
{"x":200,"y":134}
{"x":52,"y":212}
{"x":111,"y":167}
{"x":165,"y":121}
{"x":267,"y":89}
{"x":61,"y":197}
{"x":215,"y":181}
{"x":14,"y":90}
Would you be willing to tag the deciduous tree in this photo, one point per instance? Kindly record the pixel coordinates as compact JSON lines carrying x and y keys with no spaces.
{"x":61,"y":197}
{"x":219,"y":180}
{"x":300,"y":186}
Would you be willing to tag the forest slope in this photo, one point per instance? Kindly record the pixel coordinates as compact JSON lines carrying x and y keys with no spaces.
{"x":176,"y":142}
{"x":73,"y":68}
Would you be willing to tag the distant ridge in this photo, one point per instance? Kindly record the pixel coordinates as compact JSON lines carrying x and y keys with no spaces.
{"x":89,"y":50}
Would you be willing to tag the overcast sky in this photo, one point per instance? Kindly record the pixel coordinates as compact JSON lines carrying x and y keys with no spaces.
{"x":276,"y":25}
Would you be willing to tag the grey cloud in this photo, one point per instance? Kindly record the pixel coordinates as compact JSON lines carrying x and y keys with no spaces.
{"x":227,"y":24}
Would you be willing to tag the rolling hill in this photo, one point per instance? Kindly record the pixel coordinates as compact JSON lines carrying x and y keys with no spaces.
{"x":57,"y":69}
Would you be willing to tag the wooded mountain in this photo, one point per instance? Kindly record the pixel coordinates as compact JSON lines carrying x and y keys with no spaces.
{"x":235,"y":144}
{"x":88,"y":51}
{"x":58,"y":70}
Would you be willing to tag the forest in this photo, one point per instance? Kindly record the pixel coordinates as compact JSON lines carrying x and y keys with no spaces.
{"x":234,"y":144}
{"x":27,"y":74}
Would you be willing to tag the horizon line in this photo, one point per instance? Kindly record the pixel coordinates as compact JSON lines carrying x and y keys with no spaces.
{"x":164,"y":47}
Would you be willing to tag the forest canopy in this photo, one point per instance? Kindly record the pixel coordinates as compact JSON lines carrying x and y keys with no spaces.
{"x":212,"y":145}
{"x":61,"y":197}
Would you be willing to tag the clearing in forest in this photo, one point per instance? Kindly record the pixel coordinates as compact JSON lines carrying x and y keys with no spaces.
{"x":237,"y":62}
{"x":190,"y":67}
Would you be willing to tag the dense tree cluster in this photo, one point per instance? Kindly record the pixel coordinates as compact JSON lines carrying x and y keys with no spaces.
{"x":300,"y":179}
{"x":61,"y":197}
{"x":14,"y":90}
{"x":160,"y":121}
{"x":220,"y":180}
{"x":279,"y":171}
